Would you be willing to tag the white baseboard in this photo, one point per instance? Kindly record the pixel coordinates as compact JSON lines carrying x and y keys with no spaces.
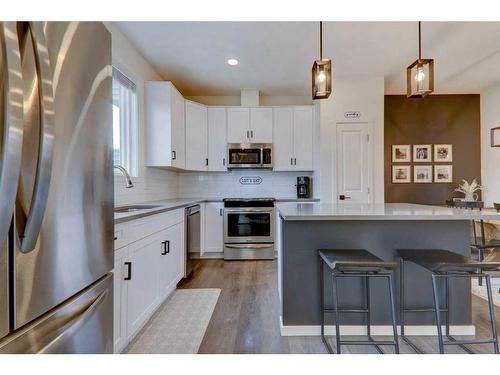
{"x":377,"y":330}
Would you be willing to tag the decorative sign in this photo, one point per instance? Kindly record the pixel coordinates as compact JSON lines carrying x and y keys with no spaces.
{"x":251,"y":180}
{"x":352,"y":114}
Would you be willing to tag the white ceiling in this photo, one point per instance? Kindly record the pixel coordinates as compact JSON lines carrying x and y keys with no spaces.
{"x":276,"y":57}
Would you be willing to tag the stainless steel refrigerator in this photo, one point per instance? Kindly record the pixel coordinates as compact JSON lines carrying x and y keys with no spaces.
{"x":56,"y":188}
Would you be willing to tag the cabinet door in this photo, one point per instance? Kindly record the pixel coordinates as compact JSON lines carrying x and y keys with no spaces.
{"x":261,"y":125}
{"x":303,"y":138}
{"x":214,"y":226}
{"x":217,"y":141}
{"x":142,"y":288}
{"x":119,"y":301}
{"x":283,"y":139}
{"x":178,"y":130}
{"x":171,"y":259}
{"x":238,"y":125}
{"x":196,"y":137}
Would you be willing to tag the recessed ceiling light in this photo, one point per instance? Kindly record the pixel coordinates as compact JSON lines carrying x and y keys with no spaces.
{"x":232,"y":62}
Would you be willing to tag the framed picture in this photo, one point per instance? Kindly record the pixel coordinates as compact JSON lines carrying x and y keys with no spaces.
{"x":443,"y":153}
{"x":401,"y":174}
{"x":422,"y":174}
{"x":422,"y":153}
{"x":443,"y":173}
{"x":495,"y":137}
{"x":401,"y":154}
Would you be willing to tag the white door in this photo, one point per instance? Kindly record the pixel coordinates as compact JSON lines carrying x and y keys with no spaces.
{"x":353,"y":168}
{"x":214,"y":226}
{"x":143,"y":293}
{"x":261,"y":125}
{"x":238,"y":125}
{"x":178,"y":130}
{"x":303,"y":138}
{"x":196,"y":137}
{"x":217,"y":142}
{"x":119,"y":301}
{"x":283,"y":139}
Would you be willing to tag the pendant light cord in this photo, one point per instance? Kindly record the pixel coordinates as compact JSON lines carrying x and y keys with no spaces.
{"x":320,"y":40}
{"x":419,"y":41}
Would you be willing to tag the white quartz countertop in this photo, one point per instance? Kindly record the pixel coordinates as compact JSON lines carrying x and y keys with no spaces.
{"x":173,"y":204}
{"x":380,"y":211}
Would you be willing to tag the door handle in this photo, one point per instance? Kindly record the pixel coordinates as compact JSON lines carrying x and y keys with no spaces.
{"x":11,"y":144}
{"x":129,"y":271}
{"x":343,"y":197}
{"x":166,"y":247}
{"x":44,"y":166}
{"x":80,"y":316}
{"x":174,"y":155}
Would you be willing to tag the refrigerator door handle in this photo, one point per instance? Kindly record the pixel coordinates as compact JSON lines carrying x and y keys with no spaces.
{"x":29,"y":237}
{"x":75,"y":320}
{"x":11,"y":123}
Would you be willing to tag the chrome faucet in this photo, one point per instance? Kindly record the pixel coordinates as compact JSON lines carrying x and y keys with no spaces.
{"x":128,"y":180}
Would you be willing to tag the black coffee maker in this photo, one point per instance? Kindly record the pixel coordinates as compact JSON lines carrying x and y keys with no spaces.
{"x":303,"y":187}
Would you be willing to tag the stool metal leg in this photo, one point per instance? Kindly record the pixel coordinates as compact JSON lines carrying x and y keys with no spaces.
{"x":322,"y":304}
{"x":337,"y":315}
{"x":438,"y":313}
{"x":393,"y":315}
{"x":492,"y":314}
{"x":447,"y":297}
{"x":368,"y":314}
{"x":402,"y":295}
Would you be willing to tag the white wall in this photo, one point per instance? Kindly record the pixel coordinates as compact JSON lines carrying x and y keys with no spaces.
{"x":151,"y":183}
{"x":490,"y":156}
{"x":227,"y":184}
{"x":358,"y":93}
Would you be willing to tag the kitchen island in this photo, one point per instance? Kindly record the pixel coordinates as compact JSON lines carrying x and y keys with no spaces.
{"x":303,"y":228}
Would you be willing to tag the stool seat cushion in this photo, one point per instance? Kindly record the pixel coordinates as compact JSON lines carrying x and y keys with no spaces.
{"x":445,"y":261}
{"x":354,"y":260}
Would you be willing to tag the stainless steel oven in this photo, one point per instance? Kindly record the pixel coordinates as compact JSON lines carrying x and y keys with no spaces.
{"x":249,"y":226}
{"x":249,"y":155}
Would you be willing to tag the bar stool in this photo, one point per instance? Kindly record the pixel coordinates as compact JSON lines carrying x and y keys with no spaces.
{"x":355,"y":263}
{"x":445,"y":264}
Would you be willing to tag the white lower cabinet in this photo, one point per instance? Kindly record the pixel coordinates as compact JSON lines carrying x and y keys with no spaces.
{"x":214,"y":227}
{"x":145,"y":274}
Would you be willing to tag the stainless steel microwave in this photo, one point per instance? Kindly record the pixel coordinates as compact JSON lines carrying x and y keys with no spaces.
{"x":250,"y":155}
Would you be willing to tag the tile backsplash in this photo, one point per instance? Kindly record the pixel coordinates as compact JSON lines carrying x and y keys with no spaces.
{"x":228,"y":185}
{"x":155,"y":184}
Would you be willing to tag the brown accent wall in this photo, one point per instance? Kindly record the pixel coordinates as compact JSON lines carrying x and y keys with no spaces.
{"x":436,"y":119}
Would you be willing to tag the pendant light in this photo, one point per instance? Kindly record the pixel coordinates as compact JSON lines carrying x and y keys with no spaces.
{"x":321,"y":72}
{"x":420,"y":74}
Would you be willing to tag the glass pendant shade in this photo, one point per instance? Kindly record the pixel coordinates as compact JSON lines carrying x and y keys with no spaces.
{"x":420,"y":78}
{"x":322,"y":79}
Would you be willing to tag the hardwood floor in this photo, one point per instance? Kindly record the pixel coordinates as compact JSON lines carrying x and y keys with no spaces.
{"x":246,"y":318}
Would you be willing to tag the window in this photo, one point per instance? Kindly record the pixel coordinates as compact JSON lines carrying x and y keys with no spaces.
{"x":124,"y":122}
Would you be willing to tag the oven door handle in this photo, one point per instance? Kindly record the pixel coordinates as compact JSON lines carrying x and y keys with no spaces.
{"x":251,"y":246}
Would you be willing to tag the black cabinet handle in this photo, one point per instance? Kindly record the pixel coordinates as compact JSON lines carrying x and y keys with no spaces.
{"x":174,"y":155}
{"x":220,"y":211}
{"x":291,"y":161}
{"x":224,"y":162}
{"x":251,"y":133}
{"x":166,"y":247}
{"x":206,"y":162}
{"x":129,"y":271}
{"x":294,"y":161}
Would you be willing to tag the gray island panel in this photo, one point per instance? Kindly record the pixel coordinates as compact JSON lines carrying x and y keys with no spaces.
{"x":299,"y":264}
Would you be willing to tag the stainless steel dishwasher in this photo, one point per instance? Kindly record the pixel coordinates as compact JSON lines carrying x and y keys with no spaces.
{"x":193,"y":234}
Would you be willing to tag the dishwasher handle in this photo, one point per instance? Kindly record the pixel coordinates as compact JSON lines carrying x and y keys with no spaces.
{"x":193,"y":210}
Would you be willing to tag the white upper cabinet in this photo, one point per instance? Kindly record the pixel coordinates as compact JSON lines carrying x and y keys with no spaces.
{"x":293,"y":138}
{"x":238,"y":125}
{"x":196,"y":137}
{"x":165,"y":125}
{"x":261,"y":125}
{"x":303,"y":138}
{"x":217,"y":140}
{"x":283,"y":139}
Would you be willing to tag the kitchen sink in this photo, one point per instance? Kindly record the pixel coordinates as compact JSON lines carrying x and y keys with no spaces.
{"x":135,"y":207}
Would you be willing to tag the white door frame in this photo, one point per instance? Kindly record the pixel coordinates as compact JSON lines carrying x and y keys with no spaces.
{"x":371,"y":158}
